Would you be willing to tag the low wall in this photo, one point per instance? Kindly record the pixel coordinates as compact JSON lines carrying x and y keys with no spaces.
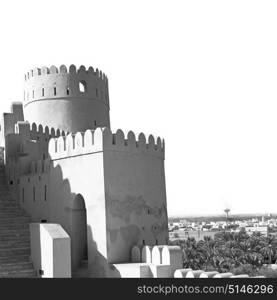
{"x":50,"y":250}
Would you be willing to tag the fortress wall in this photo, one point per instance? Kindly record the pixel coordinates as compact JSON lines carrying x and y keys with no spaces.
{"x":56,"y":92}
{"x":135,"y":201}
{"x":33,"y":195}
{"x":82,"y":174}
{"x":135,"y":193}
{"x":31,"y":189}
{"x":45,"y":194}
{"x":9,"y":120}
{"x":28,"y":144}
{"x":122,"y":181}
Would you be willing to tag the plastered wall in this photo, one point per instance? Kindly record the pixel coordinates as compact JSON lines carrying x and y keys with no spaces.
{"x":56,"y":92}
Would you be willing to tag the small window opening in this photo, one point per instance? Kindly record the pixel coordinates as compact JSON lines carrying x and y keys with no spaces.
{"x":42,"y":92}
{"x":67,"y":91}
{"x":82,"y":86}
{"x":33,"y":94}
{"x":55,"y":91}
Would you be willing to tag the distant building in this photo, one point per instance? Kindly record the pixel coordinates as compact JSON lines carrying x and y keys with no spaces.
{"x":251,"y":229}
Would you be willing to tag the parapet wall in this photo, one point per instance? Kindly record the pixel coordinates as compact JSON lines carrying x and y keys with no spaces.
{"x":9,"y":120}
{"x":53,"y":82}
{"x":63,"y":70}
{"x":30,"y":140}
{"x":102,"y":139}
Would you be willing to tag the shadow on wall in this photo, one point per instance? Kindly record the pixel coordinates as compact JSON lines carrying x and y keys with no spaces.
{"x":98,"y":265}
{"x":68,"y":209}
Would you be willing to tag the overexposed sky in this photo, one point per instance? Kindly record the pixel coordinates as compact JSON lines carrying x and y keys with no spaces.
{"x":201,"y":74}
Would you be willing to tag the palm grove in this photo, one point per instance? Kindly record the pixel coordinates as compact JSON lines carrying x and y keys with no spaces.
{"x":235,"y":252}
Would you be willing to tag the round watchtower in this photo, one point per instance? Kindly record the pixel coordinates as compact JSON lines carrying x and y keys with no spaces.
{"x":71,"y":100}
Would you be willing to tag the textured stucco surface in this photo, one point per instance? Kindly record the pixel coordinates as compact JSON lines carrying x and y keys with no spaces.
{"x":50,"y":250}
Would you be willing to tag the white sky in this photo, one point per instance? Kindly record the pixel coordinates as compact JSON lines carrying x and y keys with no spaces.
{"x":201,"y":74}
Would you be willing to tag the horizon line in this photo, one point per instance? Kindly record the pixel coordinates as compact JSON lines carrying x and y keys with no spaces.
{"x":195,"y":215}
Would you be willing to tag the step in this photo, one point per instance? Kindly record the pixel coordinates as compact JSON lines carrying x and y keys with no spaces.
{"x":15,"y":252}
{"x":13,"y":226}
{"x":6,"y":211}
{"x":19,"y":274}
{"x":10,"y":202}
{"x":21,"y":238}
{"x":7,"y":199}
{"x":12,"y":220}
{"x":14,"y":231}
{"x":4,"y":267}
{"x":15,"y":259}
{"x":14,"y":244}
{"x":8,"y":205}
{"x":14,"y":239}
{"x":15,"y":208}
{"x":12,"y":214}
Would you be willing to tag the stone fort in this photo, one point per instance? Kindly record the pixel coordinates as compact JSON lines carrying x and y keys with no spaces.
{"x":76,"y":198}
{"x":64,"y":165}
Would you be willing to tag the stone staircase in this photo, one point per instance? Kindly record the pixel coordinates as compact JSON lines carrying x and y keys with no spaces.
{"x":14,"y":234}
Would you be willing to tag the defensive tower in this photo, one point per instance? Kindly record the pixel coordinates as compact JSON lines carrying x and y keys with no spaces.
{"x":71,"y":100}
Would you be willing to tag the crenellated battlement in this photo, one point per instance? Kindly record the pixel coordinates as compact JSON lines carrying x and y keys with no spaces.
{"x":30,"y":142}
{"x":102,"y":139}
{"x":64,"y":70}
{"x":43,"y":83}
{"x":36,"y":132}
